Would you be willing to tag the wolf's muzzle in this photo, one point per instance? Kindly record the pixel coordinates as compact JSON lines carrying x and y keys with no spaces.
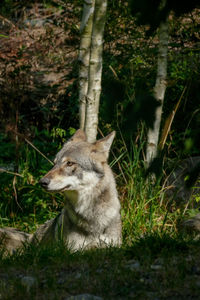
{"x":44,"y":182}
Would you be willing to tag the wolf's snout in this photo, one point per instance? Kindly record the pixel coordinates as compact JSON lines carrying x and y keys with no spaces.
{"x":44,"y":182}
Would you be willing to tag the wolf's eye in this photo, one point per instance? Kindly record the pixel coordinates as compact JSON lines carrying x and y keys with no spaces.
{"x":69,"y":163}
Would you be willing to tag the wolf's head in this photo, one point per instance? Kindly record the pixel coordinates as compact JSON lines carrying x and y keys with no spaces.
{"x":78,"y":164}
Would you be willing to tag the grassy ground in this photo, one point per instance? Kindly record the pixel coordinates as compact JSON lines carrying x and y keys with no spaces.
{"x":154,"y":267}
{"x":156,"y":261}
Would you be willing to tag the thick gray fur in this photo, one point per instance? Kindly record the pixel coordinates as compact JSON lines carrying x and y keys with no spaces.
{"x":175,"y":183}
{"x":91,"y":215}
{"x":178,"y":192}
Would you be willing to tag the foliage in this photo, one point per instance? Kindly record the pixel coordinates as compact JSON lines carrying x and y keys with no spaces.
{"x":37,"y":67}
{"x":23,"y":203}
{"x":38,"y":103}
{"x":129,"y":77}
{"x":154,"y":12}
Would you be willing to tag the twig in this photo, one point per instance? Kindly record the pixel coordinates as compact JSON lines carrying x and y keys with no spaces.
{"x":33,"y":146}
{"x":169,"y":121}
{"x":8,"y":21}
{"x":28,"y":142}
{"x":60,"y":2}
{"x":114,"y":72}
{"x":9,"y":172}
{"x":15,"y":192}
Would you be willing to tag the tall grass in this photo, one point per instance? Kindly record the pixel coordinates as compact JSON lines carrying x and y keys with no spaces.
{"x":143,"y":210}
{"x":153,"y":254}
{"x":23,"y":203}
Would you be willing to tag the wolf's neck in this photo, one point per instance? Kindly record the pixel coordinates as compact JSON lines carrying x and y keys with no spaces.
{"x":81,"y":202}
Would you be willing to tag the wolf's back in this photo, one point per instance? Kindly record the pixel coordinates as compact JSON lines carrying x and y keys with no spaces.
{"x":12,"y":239}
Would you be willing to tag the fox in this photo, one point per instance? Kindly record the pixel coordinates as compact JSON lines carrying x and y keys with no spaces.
{"x":91,"y":216}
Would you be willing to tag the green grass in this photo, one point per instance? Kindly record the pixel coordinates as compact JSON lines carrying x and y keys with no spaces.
{"x":143,"y":211}
{"x":156,"y":261}
{"x":165,"y":269}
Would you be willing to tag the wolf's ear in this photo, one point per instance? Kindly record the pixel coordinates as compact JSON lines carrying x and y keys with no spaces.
{"x":104,"y":144}
{"x":79,"y":136}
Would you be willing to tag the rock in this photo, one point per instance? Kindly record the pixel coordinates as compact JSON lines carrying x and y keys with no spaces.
{"x":196,"y":270}
{"x":157,"y":264}
{"x":84,"y":297}
{"x":156,"y":267}
{"x":61,"y":280}
{"x":192,"y":224}
{"x":152,"y":295}
{"x":12,"y":238}
{"x":133,"y":265}
{"x":28,"y":282}
{"x":78,"y":275}
{"x":197,"y":283}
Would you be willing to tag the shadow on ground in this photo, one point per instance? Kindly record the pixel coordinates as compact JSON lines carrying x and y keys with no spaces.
{"x":154,"y":267}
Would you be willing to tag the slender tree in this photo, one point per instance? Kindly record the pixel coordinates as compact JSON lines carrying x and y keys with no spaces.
{"x":84,"y":56}
{"x":155,"y":14}
{"x":92,"y":26}
{"x":159,"y":92}
{"x":95,"y":70}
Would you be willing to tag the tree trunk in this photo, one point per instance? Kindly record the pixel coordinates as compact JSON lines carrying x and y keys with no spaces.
{"x":84,"y":56}
{"x":95,"y":70}
{"x":90,"y":57}
{"x":159,"y":93}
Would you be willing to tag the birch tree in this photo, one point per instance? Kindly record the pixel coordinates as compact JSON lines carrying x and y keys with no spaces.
{"x":84,"y":56}
{"x":159,"y":92}
{"x":93,"y":23}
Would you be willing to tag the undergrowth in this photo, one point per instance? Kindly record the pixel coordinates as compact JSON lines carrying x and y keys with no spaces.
{"x":154,"y":261}
{"x":25,"y":205}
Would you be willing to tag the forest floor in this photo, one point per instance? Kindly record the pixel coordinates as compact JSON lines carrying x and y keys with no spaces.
{"x":43,"y":59}
{"x":153,"y":268}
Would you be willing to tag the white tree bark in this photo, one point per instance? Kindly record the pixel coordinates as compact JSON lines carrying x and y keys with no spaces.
{"x":90,"y":57}
{"x":159,"y":92}
{"x":95,"y":70}
{"x":84,"y":56}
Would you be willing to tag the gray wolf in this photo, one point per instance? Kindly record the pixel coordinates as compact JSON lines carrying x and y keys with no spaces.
{"x":175,"y":186}
{"x":182,"y":196}
{"x":91,"y":214}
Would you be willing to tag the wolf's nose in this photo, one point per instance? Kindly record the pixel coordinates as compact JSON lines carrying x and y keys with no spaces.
{"x":44,"y":182}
